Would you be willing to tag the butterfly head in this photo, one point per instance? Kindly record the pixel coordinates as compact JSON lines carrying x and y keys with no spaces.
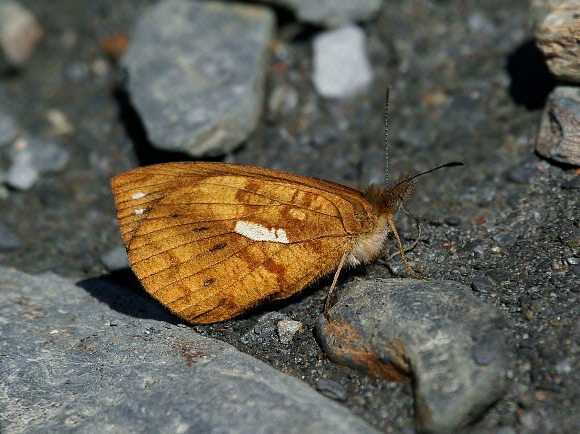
{"x":388,"y":200}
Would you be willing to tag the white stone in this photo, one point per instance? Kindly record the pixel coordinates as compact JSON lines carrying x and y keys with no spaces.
{"x":287,"y":329}
{"x":341,"y":66}
{"x":22,"y":175}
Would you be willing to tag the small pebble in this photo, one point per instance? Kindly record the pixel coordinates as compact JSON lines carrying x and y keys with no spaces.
{"x":32,"y":156}
{"x":331,"y":389}
{"x":21,"y":175}
{"x":499,"y":277}
{"x":43,"y":154}
{"x":453,"y":221}
{"x":283,"y":99}
{"x":287,"y":329}
{"x":59,"y":122}
{"x":115,"y":259}
{"x":341,"y":66}
{"x":483,"y":284}
{"x":19,"y":32}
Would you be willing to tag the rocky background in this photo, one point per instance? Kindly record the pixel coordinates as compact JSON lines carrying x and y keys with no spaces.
{"x":90,"y":89}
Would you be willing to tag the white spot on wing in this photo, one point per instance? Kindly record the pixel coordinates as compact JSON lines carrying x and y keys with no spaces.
{"x":139,"y":211}
{"x":257,"y":232}
{"x":138,"y":195}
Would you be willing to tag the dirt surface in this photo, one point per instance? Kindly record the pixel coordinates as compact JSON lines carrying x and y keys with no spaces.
{"x":467,"y":84}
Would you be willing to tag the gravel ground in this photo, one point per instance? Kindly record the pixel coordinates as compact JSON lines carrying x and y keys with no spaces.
{"x":467,"y":84}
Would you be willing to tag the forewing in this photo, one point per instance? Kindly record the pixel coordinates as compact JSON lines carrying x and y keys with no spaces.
{"x":142,"y":188}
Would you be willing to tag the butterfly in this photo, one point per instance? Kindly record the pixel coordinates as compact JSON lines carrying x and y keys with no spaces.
{"x":213,"y":240}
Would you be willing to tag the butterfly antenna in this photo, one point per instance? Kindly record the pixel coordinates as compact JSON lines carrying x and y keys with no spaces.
{"x":387,"y":137}
{"x":451,"y":164}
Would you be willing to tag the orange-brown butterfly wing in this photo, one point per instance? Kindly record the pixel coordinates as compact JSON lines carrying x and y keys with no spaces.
{"x":185,"y":229}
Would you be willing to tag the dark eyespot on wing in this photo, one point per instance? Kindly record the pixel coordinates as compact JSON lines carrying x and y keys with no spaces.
{"x":218,"y":247}
{"x":200,"y":229}
{"x":209,"y":282}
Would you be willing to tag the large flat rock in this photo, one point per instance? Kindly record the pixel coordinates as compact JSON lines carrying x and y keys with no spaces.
{"x":94,"y":357}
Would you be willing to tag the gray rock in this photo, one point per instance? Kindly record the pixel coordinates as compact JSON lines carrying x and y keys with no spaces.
{"x":437,"y":332}
{"x":331,"y":12}
{"x":32,"y":156}
{"x":559,"y":136}
{"x":21,"y":175}
{"x":341,"y":67}
{"x":196,"y":73}
{"x":46,"y":155}
{"x":115,"y":259}
{"x":93,"y":357}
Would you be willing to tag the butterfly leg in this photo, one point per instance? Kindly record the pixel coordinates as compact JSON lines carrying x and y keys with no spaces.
{"x":331,"y":290}
{"x":402,"y":250}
